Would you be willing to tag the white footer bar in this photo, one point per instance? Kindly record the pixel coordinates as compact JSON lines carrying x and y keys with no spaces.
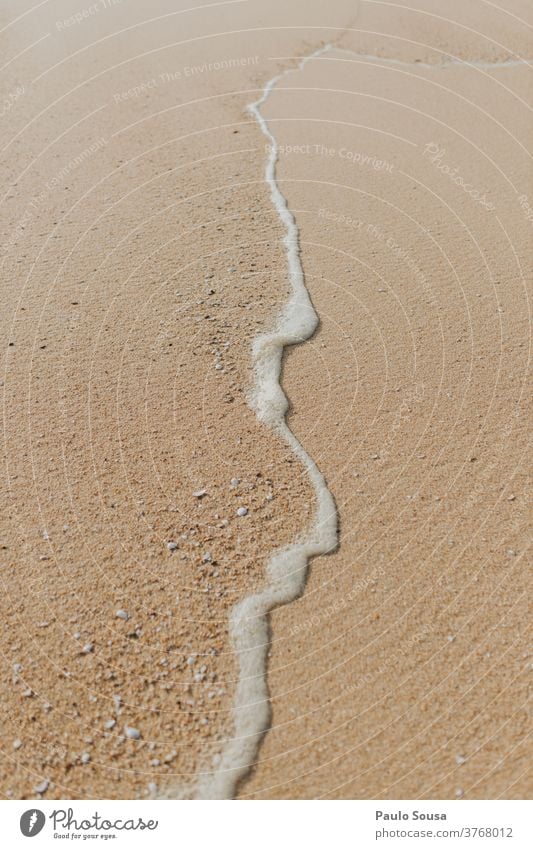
{"x":269,"y":824}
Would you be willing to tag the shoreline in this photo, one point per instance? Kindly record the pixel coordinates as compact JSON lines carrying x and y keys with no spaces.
{"x":167,"y":441}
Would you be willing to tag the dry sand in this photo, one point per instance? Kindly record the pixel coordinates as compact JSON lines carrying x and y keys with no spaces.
{"x":141,"y":255}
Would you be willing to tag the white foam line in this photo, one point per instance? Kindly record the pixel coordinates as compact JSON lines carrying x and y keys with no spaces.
{"x":411,"y":63}
{"x":446,"y":63}
{"x":287,"y":568}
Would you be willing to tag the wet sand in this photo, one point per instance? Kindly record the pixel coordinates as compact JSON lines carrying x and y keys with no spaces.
{"x":403,"y":670}
{"x":141,"y":256}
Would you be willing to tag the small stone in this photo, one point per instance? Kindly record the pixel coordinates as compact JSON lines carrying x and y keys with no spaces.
{"x":242,"y":511}
{"x":121,"y":614}
{"x":512,"y":498}
{"x":17,"y":744}
{"x":206,"y":558}
{"x":17,"y":667}
{"x":235,"y":482}
{"x":110,"y":724}
{"x":511,"y":552}
{"x":459,"y":759}
{"x":152,"y":787}
{"x":172,"y":546}
{"x":132,"y":733}
{"x":199,"y":493}
{"x":459,"y":792}
{"x":42,"y":787}
{"x":85,"y":758}
{"x":155,"y":762}
{"x":88,"y":648}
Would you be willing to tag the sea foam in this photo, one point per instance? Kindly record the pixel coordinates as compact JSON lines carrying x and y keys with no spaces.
{"x":287,"y":567}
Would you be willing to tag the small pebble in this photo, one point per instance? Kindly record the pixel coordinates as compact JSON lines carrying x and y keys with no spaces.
{"x":172,"y":546}
{"x":459,"y":792}
{"x":17,"y":667}
{"x":199,"y":493}
{"x":235,"y":481}
{"x":206,"y":558}
{"x":459,"y":759}
{"x":88,"y":648}
{"x":121,"y":614}
{"x":85,"y":758}
{"x":152,"y":787}
{"x":17,"y":744}
{"x":110,"y":724}
{"x":132,"y":733}
{"x":42,"y":787}
{"x":242,"y":511}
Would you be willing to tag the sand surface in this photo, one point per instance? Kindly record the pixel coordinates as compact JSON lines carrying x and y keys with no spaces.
{"x":141,"y":255}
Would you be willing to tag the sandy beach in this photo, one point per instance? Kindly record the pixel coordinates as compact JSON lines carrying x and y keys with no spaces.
{"x":143,"y":498}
